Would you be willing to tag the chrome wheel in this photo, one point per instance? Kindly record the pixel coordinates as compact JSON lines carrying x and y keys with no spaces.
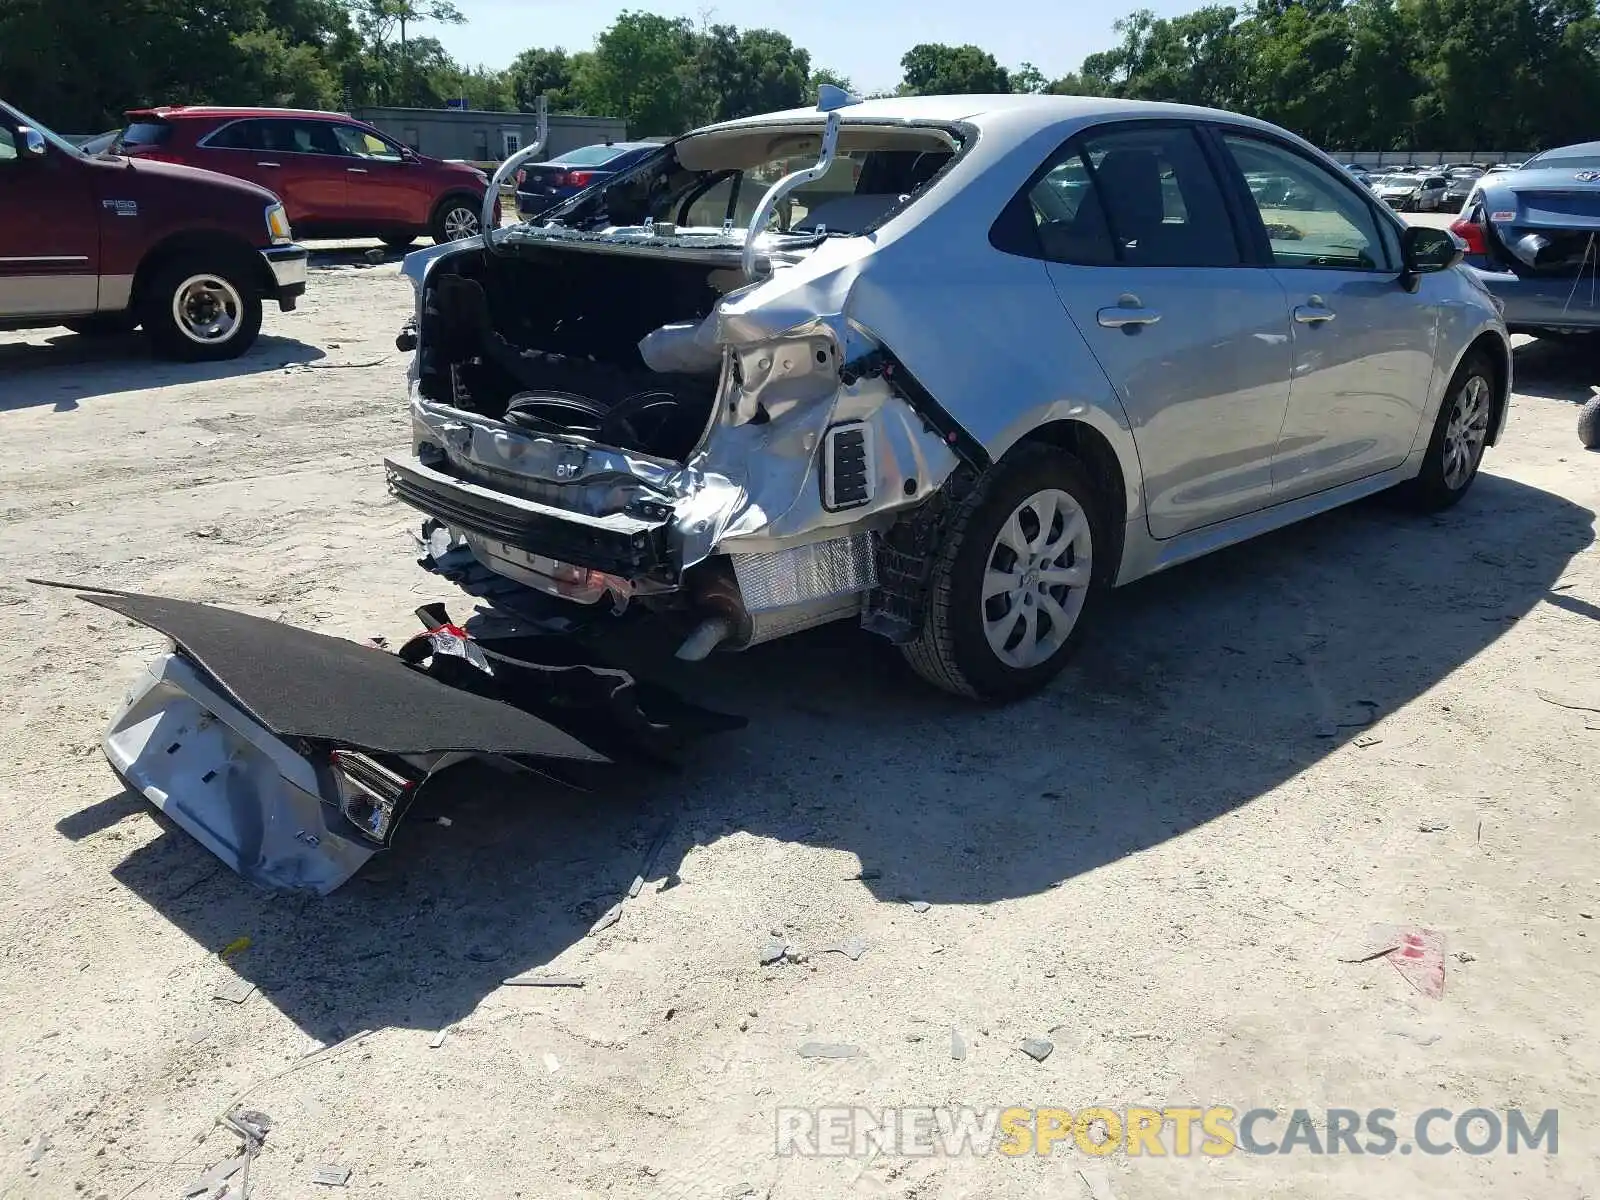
{"x":1466,"y":432}
{"x":207,"y":309}
{"x":1037,"y":578}
{"x":460,"y":222}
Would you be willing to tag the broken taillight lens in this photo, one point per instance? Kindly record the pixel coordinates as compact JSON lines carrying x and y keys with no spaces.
{"x":1470,"y":232}
{"x":370,"y":793}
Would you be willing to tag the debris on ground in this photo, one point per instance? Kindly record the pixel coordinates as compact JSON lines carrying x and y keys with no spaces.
{"x":670,"y":882}
{"x":1432,"y":826}
{"x":1576,"y":705}
{"x":41,"y":1146}
{"x":249,"y":1123}
{"x":551,"y":1063}
{"x":918,"y":906}
{"x":773,"y":951}
{"x":1037,"y":1049}
{"x":207,"y":1184}
{"x":330,"y":1175}
{"x":235,"y":990}
{"x":852,"y":947}
{"x":958,"y":1045}
{"x":828,"y":1050}
{"x":532,"y":979}
{"x":238,"y":946}
{"x":1418,"y":954}
{"x":438,"y":1039}
{"x":1098,"y":1182}
{"x":1462,"y":956}
{"x":867,"y":873}
{"x":445,"y":821}
{"x":1366,"y":740}
{"x":650,"y":857}
{"x":607,"y":919}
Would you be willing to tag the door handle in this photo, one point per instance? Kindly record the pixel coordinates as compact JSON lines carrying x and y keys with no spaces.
{"x":1125,"y":317}
{"x":1128,"y":314}
{"x":267,"y":164}
{"x":1315,"y":313}
{"x":356,"y":170}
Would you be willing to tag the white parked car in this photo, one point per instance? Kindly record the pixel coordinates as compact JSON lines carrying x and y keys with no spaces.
{"x":1412,"y":193}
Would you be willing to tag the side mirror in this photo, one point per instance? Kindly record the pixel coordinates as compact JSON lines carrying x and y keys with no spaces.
{"x":407,"y":154}
{"x":1426,"y":251}
{"x":33,"y":143}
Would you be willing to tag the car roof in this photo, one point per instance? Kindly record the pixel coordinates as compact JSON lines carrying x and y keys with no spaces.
{"x":1576,"y":150}
{"x":185,"y":112}
{"x":937,"y":110}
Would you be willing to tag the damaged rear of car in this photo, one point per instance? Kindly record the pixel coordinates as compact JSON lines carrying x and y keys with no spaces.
{"x":631,"y":404}
{"x":1533,"y":238}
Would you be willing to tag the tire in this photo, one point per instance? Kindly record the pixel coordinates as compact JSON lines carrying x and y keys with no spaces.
{"x":1444,"y":479}
{"x":107,"y":324}
{"x":447,"y":220}
{"x":202,"y":308}
{"x":1589,"y":424}
{"x":399,"y":241}
{"x":953,"y":650}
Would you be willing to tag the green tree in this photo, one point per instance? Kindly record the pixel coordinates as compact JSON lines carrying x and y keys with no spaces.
{"x":740,"y":74}
{"x":823,"y":75}
{"x":931,"y":69}
{"x":1028,"y":78}
{"x":539,"y":72}
{"x":643,"y":70}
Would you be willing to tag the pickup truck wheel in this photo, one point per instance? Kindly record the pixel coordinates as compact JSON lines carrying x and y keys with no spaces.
{"x":1025,"y":563}
{"x":199,"y":309}
{"x":458,"y":217}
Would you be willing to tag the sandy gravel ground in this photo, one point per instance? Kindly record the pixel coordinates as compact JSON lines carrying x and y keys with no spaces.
{"x":1158,"y":866}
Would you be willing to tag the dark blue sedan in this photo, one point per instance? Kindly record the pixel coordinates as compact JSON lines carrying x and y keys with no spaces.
{"x":541,"y":186}
{"x":1533,"y":238}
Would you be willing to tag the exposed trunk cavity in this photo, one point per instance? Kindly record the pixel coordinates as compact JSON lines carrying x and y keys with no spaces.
{"x":547,"y":340}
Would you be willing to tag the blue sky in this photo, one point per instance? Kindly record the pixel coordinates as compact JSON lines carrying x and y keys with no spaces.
{"x":862,"y":38}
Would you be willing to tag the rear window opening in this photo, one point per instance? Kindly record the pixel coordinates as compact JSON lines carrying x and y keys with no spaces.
{"x":144,"y":135}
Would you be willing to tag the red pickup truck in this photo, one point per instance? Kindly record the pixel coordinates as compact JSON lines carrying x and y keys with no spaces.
{"x":101,"y":243}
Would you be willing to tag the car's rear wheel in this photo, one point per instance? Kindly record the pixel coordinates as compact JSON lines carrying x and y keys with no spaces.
{"x":1460,"y":435}
{"x":201,"y":308}
{"x":1589,"y":424}
{"x":1018,"y":578}
{"x":458,"y":217}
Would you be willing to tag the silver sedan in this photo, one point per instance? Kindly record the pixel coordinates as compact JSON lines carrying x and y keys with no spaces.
{"x":952,"y":367}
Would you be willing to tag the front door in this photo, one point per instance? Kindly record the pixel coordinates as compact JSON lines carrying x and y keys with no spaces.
{"x":49,"y":227}
{"x":385,"y":188}
{"x":310,"y":169}
{"x":1145,"y":260}
{"x":1363,"y":345}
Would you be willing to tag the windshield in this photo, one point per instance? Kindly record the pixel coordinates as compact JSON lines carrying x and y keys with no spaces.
{"x":49,"y":135}
{"x":708,"y":180}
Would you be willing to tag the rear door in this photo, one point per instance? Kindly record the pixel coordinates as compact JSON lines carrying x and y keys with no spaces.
{"x":239,"y":149}
{"x":309,"y":167}
{"x":383,"y":187}
{"x":1363,"y":345}
{"x":49,"y":229}
{"x":1147,"y":261}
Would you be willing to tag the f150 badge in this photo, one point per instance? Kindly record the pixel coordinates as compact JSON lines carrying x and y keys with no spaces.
{"x":123,"y":208}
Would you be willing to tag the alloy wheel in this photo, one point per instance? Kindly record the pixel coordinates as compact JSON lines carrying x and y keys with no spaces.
{"x":1036,"y":578}
{"x":206,"y":309}
{"x":1466,"y":432}
{"x":461,"y":222}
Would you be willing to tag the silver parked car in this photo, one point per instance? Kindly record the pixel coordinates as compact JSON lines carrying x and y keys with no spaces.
{"x":952,"y":367}
{"x":1410,"y":192}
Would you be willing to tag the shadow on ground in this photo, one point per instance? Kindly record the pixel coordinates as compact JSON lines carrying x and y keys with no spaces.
{"x":1555,"y":369}
{"x":1206,"y":688}
{"x":66,"y":368}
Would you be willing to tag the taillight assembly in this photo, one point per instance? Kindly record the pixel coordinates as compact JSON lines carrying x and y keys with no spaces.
{"x":1471,"y":233}
{"x":371,"y":794}
{"x":579,"y":179}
